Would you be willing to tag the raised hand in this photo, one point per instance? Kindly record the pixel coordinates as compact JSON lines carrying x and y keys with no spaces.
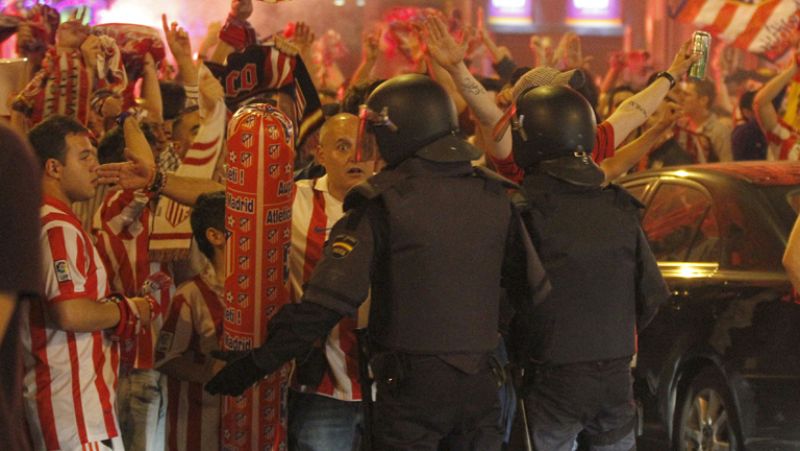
{"x":542,"y":50}
{"x":177,"y":40}
{"x":617,"y":61}
{"x":441,"y":45}
{"x":370,"y":44}
{"x":138,"y":172}
{"x":242,"y":9}
{"x":90,"y":50}
{"x":568,"y":53}
{"x":78,"y":14}
{"x":683,"y":59}
{"x":72,"y":33}
{"x":303,"y":38}
{"x":670,"y":114}
{"x":211,"y":38}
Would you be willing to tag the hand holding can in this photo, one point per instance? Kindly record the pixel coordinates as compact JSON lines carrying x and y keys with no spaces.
{"x":701,"y":45}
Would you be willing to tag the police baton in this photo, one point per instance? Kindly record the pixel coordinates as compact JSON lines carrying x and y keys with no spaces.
{"x":525,"y":428}
{"x":518,"y":377}
{"x":366,"y":388}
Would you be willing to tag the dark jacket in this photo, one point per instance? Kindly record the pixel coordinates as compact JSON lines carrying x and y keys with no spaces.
{"x":437,"y":243}
{"x":605,"y":281}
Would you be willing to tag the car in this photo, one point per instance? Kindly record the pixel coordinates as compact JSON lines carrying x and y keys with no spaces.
{"x":718,"y":368}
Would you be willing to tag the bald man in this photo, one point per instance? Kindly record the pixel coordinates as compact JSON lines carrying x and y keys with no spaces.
{"x":324,"y":409}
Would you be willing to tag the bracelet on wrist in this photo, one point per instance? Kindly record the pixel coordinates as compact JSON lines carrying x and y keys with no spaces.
{"x":669,"y":78}
{"x":121,"y":118}
{"x":157,"y":184}
{"x":123,"y":327}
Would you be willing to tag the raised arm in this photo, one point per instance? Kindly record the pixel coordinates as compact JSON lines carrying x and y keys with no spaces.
{"x":141,"y":174}
{"x":181,"y":48}
{"x":766,"y":115}
{"x":627,"y":156}
{"x":369,"y":55}
{"x":450,"y":56}
{"x":635,"y":110}
{"x":151,"y":90}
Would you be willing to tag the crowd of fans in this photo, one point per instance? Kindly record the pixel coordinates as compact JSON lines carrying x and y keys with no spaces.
{"x":146,"y":104}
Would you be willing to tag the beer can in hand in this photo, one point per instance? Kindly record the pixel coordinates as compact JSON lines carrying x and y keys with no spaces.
{"x":701,"y":45}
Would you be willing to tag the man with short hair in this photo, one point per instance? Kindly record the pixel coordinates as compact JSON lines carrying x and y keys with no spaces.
{"x":324,"y":410}
{"x":705,"y":135}
{"x":70,"y":338}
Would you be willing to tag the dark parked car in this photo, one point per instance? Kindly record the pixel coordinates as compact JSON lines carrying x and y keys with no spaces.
{"x":719,"y":366}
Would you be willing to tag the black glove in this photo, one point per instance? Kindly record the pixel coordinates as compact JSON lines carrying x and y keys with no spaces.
{"x":229,"y":356}
{"x":237,"y":376}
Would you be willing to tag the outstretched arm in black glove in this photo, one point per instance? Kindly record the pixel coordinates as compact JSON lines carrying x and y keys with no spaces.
{"x":293,"y":331}
{"x":339,"y":284}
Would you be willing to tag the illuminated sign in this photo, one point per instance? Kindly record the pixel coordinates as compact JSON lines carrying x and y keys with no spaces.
{"x":593,"y":13}
{"x":510,"y":13}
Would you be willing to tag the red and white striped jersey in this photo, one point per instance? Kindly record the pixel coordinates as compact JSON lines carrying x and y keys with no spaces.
{"x":314,"y":212}
{"x":783,"y":142}
{"x":122,"y":229}
{"x":757,"y":27}
{"x":70,"y":377}
{"x":193,"y":328}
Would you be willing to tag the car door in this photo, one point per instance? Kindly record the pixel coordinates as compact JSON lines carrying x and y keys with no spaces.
{"x":681,"y":226}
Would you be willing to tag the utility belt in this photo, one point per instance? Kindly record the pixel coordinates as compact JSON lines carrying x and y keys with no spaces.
{"x":536,"y":371}
{"x":390,"y":368}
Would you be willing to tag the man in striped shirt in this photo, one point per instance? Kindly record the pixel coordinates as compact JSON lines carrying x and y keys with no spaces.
{"x":324,"y":410}
{"x":71,"y":353}
{"x":191,"y":331}
{"x":123,"y":228}
{"x":781,"y":136}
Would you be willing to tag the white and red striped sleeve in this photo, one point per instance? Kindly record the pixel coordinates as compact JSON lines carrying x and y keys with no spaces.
{"x":175,"y":336}
{"x":66,"y":264}
{"x":784,"y":138}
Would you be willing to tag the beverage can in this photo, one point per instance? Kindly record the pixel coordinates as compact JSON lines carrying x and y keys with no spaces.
{"x":701,"y":45}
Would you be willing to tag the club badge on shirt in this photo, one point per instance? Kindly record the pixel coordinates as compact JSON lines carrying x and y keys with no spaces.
{"x":343,"y":245}
{"x":62,"y":271}
{"x":164,"y":342}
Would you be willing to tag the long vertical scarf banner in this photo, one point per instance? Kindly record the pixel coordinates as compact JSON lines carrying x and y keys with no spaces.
{"x":258,"y":223}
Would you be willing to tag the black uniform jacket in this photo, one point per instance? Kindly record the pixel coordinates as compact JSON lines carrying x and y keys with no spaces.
{"x":438,"y":244}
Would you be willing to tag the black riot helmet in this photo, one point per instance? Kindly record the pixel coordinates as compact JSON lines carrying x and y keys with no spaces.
{"x":555,"y":131}
{"x":554,"y":121}
{"x":413,"y":115}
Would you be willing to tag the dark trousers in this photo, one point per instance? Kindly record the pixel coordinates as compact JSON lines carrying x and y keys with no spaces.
{"x":596,"y":397}
{"x":320,"y":423}
{"x":426,"y":404}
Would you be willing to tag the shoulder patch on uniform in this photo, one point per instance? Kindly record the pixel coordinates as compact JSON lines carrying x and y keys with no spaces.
{"x":343,"y":245}
{"x":62,"y":271}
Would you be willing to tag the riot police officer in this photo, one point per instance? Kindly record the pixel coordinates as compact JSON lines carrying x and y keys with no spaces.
{"x":605,"y":281}
{"x":436,"y":241}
